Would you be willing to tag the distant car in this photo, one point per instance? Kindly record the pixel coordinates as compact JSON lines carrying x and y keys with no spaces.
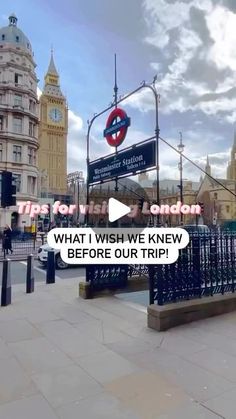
{"x":199,"y":229}
{"x":229,"y":226}
{"x":43,"y":257}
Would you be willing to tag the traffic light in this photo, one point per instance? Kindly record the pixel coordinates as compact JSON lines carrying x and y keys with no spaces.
{"x":8,"y":193}
{"x":201,"y":204}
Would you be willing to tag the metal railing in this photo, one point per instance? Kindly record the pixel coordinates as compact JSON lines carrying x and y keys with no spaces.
{"x":22,"y":244}
{"x":207,"y":266}
{"x":106,"y":276}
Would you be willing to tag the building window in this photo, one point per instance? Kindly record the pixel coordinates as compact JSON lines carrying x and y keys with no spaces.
{"x":3,"y":37}
{"x":215,"y":196}
{"x":1,"y":123}
{"x":17,"y":153}
{"x":17,"y":125}
{"x":17,"y":181}
{"x":1,"y":150}
{"x":31,"y":129}
{"x":31,"y":185}
{"x":18,"y":100}
{"x":32,"y":155}
{"x":227,"y":208}
{"x":18,"y":78}
{"x":17,"y":38}
{"x":32,"y":105}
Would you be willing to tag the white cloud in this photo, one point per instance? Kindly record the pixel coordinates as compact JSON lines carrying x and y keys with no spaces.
{"x":39,"y":92}
{"x":195,"y":42}
{"x":75,"y":121}
{"x":221,"y":23}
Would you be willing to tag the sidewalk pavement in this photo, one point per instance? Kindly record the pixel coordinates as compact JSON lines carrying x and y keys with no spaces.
{"x":67,"y":358}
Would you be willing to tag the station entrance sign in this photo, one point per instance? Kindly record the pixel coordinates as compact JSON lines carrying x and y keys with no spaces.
{"x":126,"y":162}
{"x":117,"y":123}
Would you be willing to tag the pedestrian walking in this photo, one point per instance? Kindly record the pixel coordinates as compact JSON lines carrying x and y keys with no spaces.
{"x":7,"y":245}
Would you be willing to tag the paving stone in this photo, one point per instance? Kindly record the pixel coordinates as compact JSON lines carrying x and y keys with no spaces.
{"x":72,"y":314}
{"x":14,"y":383}
{"x":34,"y":407}
{"x":96,"y":329}
{"x":5,"y":351}
{"x":191,"y":410}
{"x":129,"y":346}
{"x":39,"y":355}
{"x":106,"y":366}
{"x":179,"y":345}
{"x":147,"y":394}
{"x":215,"y":361}
{"x":68,"y":339}
{"x":223,"y":405}
{"x":66,"y":385}
{"x":17,"y":330}
{"x":196,"y":380}
{"x":102,"y":406}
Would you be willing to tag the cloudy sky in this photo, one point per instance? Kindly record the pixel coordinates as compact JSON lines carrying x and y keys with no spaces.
{"x":189,"y":45}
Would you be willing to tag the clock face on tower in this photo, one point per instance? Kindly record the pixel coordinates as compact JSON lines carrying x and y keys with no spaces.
{"x":55,"y":114}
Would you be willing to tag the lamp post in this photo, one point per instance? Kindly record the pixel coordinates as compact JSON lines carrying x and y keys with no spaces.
{"x":181,"y":149}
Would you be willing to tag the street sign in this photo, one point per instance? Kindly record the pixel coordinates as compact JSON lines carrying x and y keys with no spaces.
{"x":117,"y":123}
{"x":135,"y":159}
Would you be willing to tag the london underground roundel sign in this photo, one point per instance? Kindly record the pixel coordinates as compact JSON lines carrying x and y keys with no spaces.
{"x":116,"y":127}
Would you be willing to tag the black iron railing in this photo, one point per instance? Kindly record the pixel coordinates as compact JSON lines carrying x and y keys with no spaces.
{"x":207,"y":266}
{"x":22,"y":244}
{"x":106,"y":276}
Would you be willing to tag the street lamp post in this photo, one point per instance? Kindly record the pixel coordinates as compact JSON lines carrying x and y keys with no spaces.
{"x":181,"y":149}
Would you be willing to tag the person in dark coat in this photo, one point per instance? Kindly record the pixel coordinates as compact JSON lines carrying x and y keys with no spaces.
{"x":7,"y":233}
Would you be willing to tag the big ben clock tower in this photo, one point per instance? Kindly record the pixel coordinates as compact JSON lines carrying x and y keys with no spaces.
{"x":53,"y":131}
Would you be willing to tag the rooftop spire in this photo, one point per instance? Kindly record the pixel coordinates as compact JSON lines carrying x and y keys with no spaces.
{"x":52,"y":85}
{"x":52,"y":68}
{"x":12,"y":19}
{"x":208,"y":166}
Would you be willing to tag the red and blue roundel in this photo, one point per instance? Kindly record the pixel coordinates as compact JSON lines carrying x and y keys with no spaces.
{"x":117,"y":123}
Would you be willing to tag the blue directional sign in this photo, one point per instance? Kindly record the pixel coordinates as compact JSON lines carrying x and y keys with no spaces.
{"x":131,"y":161}
{"x":114,"y":128}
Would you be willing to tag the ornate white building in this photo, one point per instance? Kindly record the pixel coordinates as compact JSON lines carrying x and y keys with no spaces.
{"x":18,"y":118}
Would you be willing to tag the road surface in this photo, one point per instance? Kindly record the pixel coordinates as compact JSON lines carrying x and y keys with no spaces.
{"x":18,"y":272}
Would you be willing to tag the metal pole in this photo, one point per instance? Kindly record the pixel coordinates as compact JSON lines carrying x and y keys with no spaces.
{"x":115,"y":103}
{"x":78,"y":191}
{"x":6,"y":283}
{"x":30,"y":275}
{"x":143,"y":85}
{"x":181,"y":149}
{"x":50,"y":275}
{"x":157,"y":132}
{"x":87,"y":160}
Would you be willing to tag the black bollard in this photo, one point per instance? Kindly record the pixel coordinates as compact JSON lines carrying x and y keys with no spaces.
{"x":50,"y":278}
{"x":30,"y":275}
{"x":6,"y":283}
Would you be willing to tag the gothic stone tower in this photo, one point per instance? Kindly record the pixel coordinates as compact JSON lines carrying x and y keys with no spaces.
{"x":231,"y":170}
{"x":53,"y":131}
